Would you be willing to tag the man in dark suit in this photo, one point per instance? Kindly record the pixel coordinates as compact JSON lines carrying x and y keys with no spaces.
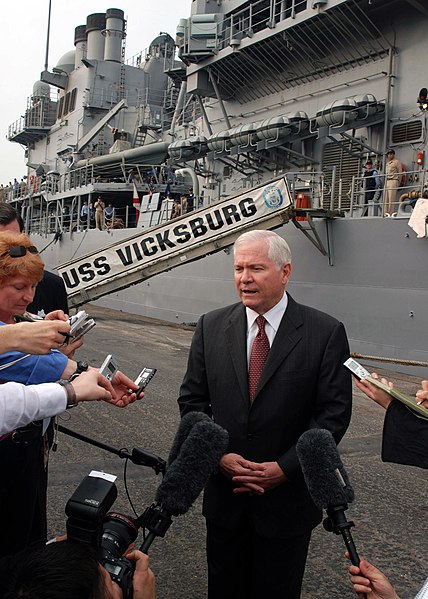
{"x":258,"y":511}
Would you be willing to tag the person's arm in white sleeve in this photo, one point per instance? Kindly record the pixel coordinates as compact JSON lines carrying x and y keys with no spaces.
{"x":20,"y":405}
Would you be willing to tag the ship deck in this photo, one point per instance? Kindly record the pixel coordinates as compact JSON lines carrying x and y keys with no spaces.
{"x":391,"y":500}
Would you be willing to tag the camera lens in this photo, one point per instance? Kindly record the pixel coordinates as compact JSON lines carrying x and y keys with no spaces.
{"x":119,"y":532}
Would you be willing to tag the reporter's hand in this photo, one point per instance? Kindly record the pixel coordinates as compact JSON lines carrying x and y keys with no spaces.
{"x":366,"y":579}
{"x":372,"y":392}
{"x":121,"y":383}
{"x":143,"y":581}
{"x":57,"y":315}
{"x":37,"y":337}
{"x":422,"y":394}
{"x":70,"y":345}
{"x":92,"y":386}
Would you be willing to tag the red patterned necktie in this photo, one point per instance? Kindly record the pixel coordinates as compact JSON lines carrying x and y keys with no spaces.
{"x":258,"y":356}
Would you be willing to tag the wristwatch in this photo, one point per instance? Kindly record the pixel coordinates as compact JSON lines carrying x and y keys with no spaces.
{"x":81,"y":367}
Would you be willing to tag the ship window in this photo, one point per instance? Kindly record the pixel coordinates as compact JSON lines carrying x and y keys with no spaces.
{"x":404,"y":132}
{"x":73,"y":99}
{"x":67,"y":103}
{"x":60,"y":107}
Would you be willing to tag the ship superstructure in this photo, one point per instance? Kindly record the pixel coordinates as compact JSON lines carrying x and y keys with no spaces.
{"x":303,"y":85}
{"x":249,"y":92}
{"x":105,"y":112}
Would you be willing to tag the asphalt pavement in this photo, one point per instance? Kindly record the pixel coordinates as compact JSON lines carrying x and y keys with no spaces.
{"x":389,"y":509}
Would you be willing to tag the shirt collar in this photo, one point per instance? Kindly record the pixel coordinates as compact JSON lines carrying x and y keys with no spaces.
{"x":272,"y":316}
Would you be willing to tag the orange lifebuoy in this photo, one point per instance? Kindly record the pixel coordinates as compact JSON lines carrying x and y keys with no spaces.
{"x":302,"y":201}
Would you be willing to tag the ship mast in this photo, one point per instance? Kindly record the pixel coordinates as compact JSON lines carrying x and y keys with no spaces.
{"x":47,"y":36}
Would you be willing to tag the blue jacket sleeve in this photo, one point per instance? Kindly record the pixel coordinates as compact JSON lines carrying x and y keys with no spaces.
{"x":30,"y":369}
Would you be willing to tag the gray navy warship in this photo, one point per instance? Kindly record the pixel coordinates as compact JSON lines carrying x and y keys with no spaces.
{"x":260,"y":113}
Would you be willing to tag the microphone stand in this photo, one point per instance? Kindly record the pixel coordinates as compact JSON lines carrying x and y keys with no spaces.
{"x":140,"y":457}
{"x":337,"y":523}
{"x":157,"y":521}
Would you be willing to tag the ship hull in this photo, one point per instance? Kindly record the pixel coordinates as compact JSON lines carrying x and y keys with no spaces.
{"x":373,"y":281}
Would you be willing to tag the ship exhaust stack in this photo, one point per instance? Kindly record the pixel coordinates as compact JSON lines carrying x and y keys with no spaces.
{"x":95,"y":25}
{"x":114,"y":34}
{"x":80,"y":44}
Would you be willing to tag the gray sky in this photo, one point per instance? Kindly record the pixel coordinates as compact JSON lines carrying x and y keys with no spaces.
{"x":23,"y":48}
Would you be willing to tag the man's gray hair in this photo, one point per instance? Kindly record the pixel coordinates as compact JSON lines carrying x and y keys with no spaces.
{"x":278,"y":249}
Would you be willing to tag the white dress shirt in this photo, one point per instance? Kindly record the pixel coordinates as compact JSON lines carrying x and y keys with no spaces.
{"x":273,"y":319}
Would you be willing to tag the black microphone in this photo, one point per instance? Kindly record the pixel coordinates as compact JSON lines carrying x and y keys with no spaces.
{"x":187,"y":423}
{"x":327,"y":482}
{"x":185,"y":478}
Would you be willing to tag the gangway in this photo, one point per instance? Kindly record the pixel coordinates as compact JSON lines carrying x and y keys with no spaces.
{"x":179,"y":241}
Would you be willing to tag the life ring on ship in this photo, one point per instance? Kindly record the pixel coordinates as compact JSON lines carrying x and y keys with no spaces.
{"x":302,"y":201}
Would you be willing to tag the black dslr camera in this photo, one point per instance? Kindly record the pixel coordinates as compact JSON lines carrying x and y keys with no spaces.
{"x":90,"y":522}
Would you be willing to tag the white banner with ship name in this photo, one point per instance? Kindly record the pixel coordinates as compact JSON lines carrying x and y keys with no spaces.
{"x":175,"y":237}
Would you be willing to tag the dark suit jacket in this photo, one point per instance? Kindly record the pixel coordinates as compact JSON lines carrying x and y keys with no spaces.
{"x":303,"y":385}
{"x":405,"y":437}
{"x":50,"y":295}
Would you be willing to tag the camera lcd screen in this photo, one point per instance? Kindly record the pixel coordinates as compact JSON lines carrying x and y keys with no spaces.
{"x":112,"y":569}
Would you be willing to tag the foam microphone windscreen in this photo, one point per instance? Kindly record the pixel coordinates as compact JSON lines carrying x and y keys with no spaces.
{"x":322,"y":468}
{"x":186,"y":424}
{"x":197,"y":460}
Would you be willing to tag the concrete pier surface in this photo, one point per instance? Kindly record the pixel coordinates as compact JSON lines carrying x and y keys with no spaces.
{"x":391,"y":501}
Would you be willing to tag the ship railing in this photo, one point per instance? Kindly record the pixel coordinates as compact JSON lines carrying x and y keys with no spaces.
{"x":105,"y":97}
{"x":257,"y":16}
{"x":53,"y":184}
{"x":39,"y":114}
{"x":52,"y":217}
{"x":169,"y":55}
{"x":156,"y":100}
{"x":412,"y":186}
{"x":307,"y":188}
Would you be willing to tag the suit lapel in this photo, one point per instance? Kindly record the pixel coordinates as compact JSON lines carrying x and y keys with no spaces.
{"x":287,"y":337}
{"x":236,"y":342}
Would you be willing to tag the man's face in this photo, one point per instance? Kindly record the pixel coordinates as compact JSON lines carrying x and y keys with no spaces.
{"x":259,"y":283}
{"x":390,"y":156}
{"x":13,"y":227}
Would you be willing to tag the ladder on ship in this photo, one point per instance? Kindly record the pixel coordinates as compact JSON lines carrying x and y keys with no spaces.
{"x":122,"y":75}
{"x":140,"y":132}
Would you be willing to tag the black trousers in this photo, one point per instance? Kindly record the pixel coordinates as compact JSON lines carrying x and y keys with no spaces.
{"x":244,"y":565}
{"x":22,"y":507}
